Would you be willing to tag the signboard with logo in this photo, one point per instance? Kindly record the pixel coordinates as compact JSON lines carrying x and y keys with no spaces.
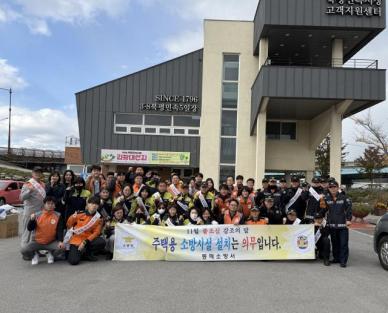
{"x":367,"y":8}
{"x":214,"y":243}
{"x":145,"y":157}
{"x":172,"y":103}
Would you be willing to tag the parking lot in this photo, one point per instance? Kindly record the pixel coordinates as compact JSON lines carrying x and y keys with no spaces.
{"x":302,"y":286}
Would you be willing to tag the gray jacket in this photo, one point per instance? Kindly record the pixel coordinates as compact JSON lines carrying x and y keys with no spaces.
{"x":32,"y":200}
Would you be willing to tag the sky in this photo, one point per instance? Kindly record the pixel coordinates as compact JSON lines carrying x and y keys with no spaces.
{"x":51,"y":49}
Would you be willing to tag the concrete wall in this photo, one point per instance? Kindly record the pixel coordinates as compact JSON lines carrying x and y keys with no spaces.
{"x":292,"y":154}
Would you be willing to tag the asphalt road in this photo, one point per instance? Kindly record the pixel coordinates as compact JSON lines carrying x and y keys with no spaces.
{"x":303,"y":286}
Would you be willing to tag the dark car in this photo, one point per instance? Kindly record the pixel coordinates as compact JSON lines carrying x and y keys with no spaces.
{"x":381,"y":241}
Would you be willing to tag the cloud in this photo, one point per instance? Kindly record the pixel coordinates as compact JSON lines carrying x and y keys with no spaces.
{"x":179,"y":44}
{"x":193,"y":12}
{"x":44,"y":128}
{"x":37,"y":14}
{"x":10,"y":76}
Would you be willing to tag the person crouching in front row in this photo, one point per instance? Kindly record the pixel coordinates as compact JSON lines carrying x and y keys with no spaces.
{"x":254,"y":217}
{"x":322,"y":242}
{"x":109,"y":230}
{"x":84,"y":230}
{"x":47,"y":227}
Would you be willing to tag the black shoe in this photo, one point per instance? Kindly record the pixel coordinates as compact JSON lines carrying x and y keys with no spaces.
{"x":109,"y":256}
{"x":26,"y":258}
{"x":326,"y":262}
{"x":91,"y":257}
{"x":343,"y":265}
{"x":334,"y":261}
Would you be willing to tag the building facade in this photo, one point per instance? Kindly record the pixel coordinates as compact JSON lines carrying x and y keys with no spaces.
{"x":259,"y":97}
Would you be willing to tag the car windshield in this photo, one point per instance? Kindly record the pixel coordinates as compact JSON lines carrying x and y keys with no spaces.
{"x":3,"y":185}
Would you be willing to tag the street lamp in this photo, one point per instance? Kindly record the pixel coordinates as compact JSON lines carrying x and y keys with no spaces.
{"x":9,"y":118}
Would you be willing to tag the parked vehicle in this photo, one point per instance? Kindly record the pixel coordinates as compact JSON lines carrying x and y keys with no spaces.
{"x":10,"y":192}
{"x":381,"y":241}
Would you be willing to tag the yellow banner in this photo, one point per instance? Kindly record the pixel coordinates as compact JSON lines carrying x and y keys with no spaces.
{"x":214,"y":243}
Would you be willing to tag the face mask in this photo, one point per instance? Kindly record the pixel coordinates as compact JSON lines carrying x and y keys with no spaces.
{"x":161,"y":211}
{"x":194,"y":216}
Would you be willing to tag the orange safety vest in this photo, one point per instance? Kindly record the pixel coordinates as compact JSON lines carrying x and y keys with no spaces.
{"x":232,"y":221}
{"x":80,"y":220}
{"x":246,"y":205}
{"x":46,"y":227}
{"x":258,"y":222}
{"x":221,"y":204}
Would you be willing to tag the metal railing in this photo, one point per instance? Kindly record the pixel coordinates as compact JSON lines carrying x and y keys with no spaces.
{"x":34,"y":153}
{"x":352,"y":63}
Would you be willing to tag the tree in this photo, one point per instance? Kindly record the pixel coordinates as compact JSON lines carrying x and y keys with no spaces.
{"x":322,"y":156}
{"x":371,"y":133}
{"x":371,"y":162}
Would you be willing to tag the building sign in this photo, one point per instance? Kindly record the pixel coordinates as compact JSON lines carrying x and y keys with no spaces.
{"x":214,"y":243}
{"x":354,"y":7}
{"x":145,"y":157}
{"x":172,"y":103}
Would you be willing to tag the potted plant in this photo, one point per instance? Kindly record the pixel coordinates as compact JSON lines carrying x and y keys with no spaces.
{"x":380,"y":209}
{"x":361,"y":210}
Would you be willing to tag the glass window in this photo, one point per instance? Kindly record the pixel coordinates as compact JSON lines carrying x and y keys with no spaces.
{"x":135,"y":129}
{"x":131,"y":119}
{"x":193,"y":132}
{"x":187,"y":121}
{"x":231,"y":65}
{"x":229,"y":123}
{"x":228,"y":150}
{"x":164,"y":131}
{"x":226,"y":171}
{"x":273,"y":130}
{"x":288,"y":131}
{"x":150,"y":130}
{"x":229,"y":95}
{"x":179,"y":131}
{"x":121,"y":129}
{"x":158,"y":120}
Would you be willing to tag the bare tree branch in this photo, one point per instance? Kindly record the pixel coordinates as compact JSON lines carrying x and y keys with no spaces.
{"x":371,"y":133}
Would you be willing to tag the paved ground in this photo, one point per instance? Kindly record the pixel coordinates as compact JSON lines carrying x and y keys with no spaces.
{"x":194,"y":287}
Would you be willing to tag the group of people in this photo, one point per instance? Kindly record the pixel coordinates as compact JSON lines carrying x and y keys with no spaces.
{"x":74,"y":219}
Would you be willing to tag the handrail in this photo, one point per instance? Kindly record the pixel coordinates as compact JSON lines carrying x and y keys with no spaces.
{"x":352,"y":63}
{"x":36,"y":153}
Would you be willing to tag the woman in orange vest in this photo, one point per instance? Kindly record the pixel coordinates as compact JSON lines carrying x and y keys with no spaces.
{"x":254,"y":218}
{"x":246,"y":203}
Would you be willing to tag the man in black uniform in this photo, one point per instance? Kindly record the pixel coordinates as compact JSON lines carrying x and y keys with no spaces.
{"x":272,"y":213}
{"x":275,"y":193}
{"x":315,"y":194}
{"x":339,"y":215}
{"x":262,"y":193}
{"x":283,"y":184}
{"x":322,"y":242}
{"x":295,"y":198}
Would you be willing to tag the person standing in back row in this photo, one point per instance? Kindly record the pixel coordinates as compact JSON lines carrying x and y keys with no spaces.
{"x":33,"y":193}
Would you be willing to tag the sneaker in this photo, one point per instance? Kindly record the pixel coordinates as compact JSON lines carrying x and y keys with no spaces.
{"x":35,"y":259}
{"x":343,"y":265}
{"x":50,"y":258}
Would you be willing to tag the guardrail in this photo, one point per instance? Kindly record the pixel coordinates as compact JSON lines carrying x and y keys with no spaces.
{"x":34,"y":153}
{"x":352,"y":63}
